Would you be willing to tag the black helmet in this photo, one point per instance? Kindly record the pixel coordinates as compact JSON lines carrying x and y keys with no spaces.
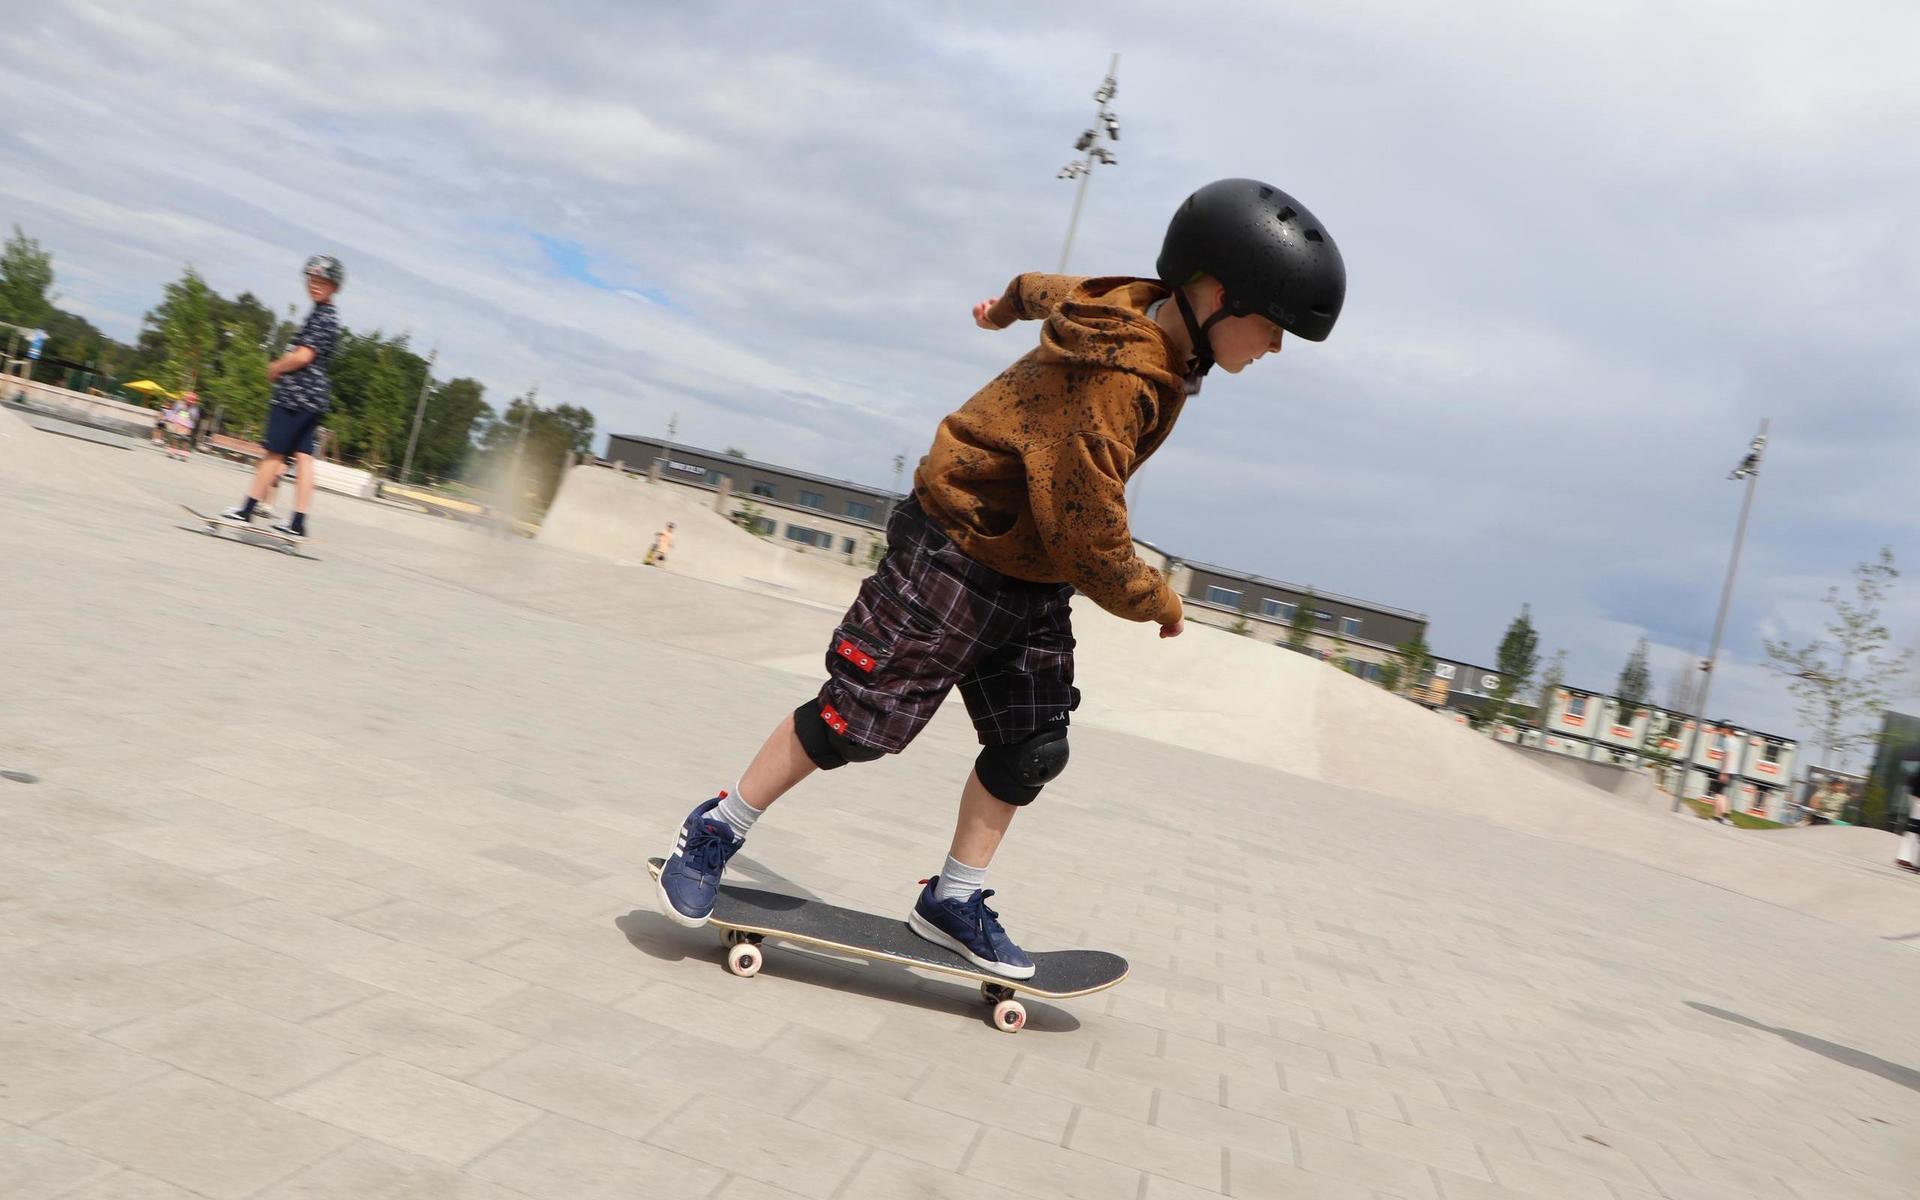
{"x":1274,"y":258}
{"x":327,"y":267}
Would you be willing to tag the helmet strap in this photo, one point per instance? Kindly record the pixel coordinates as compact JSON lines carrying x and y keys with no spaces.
{"x":1202,"y":338}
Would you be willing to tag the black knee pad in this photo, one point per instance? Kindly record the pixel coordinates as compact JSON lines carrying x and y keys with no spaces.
{"x":1016,"y":772}
{"x":822,"y":734}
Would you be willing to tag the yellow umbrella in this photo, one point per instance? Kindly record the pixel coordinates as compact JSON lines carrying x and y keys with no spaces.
{"x":149,"y":387}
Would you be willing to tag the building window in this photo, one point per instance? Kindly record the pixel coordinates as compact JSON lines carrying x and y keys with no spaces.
{"x":1350,"y":626}
{"x":809,"y":537}
{"x":762,"y":488}
{"x":714,"y":478}
{"x":1220,"y":595}
{"x":1278,"y":608}
{"x":812,"y":499}
{"x":859,"y":511}
{"x":846,"y":545}
{"x":1771,"y":753}
{"x":763,"y":526}
{"x":1576,"y":706}
{"x":1325,"y":618}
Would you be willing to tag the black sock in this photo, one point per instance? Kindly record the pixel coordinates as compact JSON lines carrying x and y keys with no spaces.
{"x":299,"y":522}
{"x":246,"y":509}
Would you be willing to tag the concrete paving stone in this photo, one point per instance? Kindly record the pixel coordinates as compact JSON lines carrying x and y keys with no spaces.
{"x":1078,"y":1085}
{"x":1043,"y":1169}
{"x":884,"y":1071}
{"x":565,"y":1020}
{"x":628,"y":1101}
{"x":34,"y":1167}
{"x":886,"y":1176}
{"x":1589,"y":1158}
{"x":1528,"y":1118}
{"x":85,"y":988}
{"x":277,"y":984}
{"x":46,"y":1070}
{"x":412,"y":1109}
{"x":302,"y":847}
{"x":1205,"y":1122}
{"x":290,"y":929}
{"x":435,"y":891}
{"x":687,"y":1065}
{"x":130,"y":1185}
{"x":1526,"y":1175}
{"x":370,"y":1170}
{"x":1255,"y":1176}
{"x":562,"y":967}
{"x":1199,"y":1082}
{"x":739,"y":1187}
{"x":1272,"y":1102}
{"x":559,"y":1157}
{"x":306,"y":887}
{"x":691,"y":1012}
{"x":1349,"y":1163}
{"x":1471,"y":1187}
{"x":1358,"y":1095}
{"x":938,"y":1138}
{"x":429,"y":928}
{"x":192,"y":849}
{"x":198,"y":1135}
{"x":1438,"y":1148}
{"x":1181,"y":1156}
{"x":991,"y":1101}
{"x":1483,"y":1132}
{"x":737,"y":1138}
{"x":231,"y":1044}
{"x":104,"y":927}
{"x":1401,"y":1081}
{"x":425,"y":975}
{"x":425,"y":1035}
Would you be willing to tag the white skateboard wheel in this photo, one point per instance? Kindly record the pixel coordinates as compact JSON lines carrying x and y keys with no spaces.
{"x":1009,"y":1016}
{"x":744,"y":960}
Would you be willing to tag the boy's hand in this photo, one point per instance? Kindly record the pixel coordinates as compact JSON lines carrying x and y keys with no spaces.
{"x":1173,"y":630}
{"x":980,"y":312}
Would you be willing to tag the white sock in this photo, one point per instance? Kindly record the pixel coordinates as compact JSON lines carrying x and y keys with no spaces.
{"x":958,"y":880}
{"x":736,"y":812}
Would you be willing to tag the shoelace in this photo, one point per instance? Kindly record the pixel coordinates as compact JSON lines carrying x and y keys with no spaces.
{"x":706,"y":850}
{"x":987,"y":921}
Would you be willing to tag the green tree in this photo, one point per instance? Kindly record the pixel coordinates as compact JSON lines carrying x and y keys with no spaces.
{"x":1635,"y":682}
{"x":1516,"y":662}
{"x":240,"y":390}
{"x":1412,"y":662}
{"x":534,"y":442}
{"x":1390,"y":673}
{"x":26,"y":282}
{"x":376,"y":381}
{"x":184,"y":324}
{"x":1551,"y":680}
{"x":1845,"y":684}
{"x":455,"y":409}
{"x":1301,"y":627}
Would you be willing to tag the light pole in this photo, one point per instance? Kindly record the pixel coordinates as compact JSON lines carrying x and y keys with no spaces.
{"x":419,"y":410}
{"x":1749,"y":470}
{"x":1105,"y":124}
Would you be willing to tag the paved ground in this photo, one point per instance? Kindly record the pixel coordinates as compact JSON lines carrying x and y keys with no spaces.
{"x":330,"y":886}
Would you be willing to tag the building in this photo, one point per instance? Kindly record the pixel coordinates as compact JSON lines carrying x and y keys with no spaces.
{"x":1595,"y":726}
{"x":809,"y":513}
{"x":1357,"y":635}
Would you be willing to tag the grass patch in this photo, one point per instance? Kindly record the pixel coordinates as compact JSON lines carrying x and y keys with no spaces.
{"x":1703,"y":810}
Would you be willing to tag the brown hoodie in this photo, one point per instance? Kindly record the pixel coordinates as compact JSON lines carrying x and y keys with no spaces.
{"x":1029,"y":477}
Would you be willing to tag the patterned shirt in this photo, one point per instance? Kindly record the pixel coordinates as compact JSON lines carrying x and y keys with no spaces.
{"x":309,"y":389}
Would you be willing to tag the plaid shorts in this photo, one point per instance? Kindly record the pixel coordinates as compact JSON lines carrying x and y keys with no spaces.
{"x":930,"y":618}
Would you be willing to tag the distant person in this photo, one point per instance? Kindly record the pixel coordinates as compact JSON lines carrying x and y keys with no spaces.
{"x":302,"y":396}
{"x":177,"y":424}
{"x":662,"y":542}
{"x":1909,"y":855}
{"x":1020,"y":501}
{"x":1721,"y":778}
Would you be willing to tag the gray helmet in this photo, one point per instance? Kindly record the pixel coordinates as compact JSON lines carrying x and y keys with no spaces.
{"x":327,"y":267}
{"x":1273,"y":257}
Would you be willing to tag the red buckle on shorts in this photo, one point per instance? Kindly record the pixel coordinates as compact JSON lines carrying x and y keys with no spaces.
{"x":856,"y":656}
{"x":834,"y":720}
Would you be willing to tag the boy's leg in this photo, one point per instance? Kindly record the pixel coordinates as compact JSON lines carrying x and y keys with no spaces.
{"x":303,"y":483}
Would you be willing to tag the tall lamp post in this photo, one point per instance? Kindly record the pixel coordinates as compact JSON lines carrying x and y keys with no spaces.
{"x":1105,"y":125}
{"x":1749,"y":470}
{"x":419,"y":410}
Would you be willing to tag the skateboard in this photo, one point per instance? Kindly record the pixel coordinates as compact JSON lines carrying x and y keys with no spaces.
{"x":289,"y":545}
{"x":744,"y":917}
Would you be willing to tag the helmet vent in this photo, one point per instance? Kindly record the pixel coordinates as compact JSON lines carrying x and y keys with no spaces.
{"x":1287,"y":213}
{"x":1313,"y":235}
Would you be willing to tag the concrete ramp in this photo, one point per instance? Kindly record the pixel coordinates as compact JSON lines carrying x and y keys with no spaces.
{"x":61,"y":458}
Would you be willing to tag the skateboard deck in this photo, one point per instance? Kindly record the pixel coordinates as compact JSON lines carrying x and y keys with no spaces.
{"x":290,"y":545}
{"x":744,"y":916}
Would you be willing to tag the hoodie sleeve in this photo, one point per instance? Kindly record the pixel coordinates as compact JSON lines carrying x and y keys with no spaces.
{"x":1031,"y":297}
{"x":1077,"y":488}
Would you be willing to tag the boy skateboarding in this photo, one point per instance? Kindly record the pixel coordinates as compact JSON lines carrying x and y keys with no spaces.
{"x":1020,"y":502}
{"x":302,"y":396}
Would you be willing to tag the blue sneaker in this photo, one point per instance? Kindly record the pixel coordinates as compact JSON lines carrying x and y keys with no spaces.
{"x":690,"y":881}
{"x":970,"y":929}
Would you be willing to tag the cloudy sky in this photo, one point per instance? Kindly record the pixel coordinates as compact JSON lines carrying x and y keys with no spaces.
{"x":1589,"y":248}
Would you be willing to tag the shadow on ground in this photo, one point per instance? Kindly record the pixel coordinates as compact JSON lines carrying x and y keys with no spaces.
{"x":1860,"y":1060}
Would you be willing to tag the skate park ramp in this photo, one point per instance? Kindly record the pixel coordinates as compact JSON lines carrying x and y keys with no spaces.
{"x":47,"y":455}
{"x":1220,"y":694}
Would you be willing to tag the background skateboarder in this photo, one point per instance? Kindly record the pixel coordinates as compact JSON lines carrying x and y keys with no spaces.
{"x":302,"y":396}
{"x":1020,"y":501}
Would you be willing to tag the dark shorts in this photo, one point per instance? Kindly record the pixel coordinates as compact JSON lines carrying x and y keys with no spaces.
{"x":1716,"y":787}
{"x":291,"y":431}
{"x":931,"y":618}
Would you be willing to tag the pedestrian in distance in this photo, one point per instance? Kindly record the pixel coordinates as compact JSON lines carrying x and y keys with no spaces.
{"x":302,"y":397}
{"x":662,"y":542}
{"x":1021,"y":501}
